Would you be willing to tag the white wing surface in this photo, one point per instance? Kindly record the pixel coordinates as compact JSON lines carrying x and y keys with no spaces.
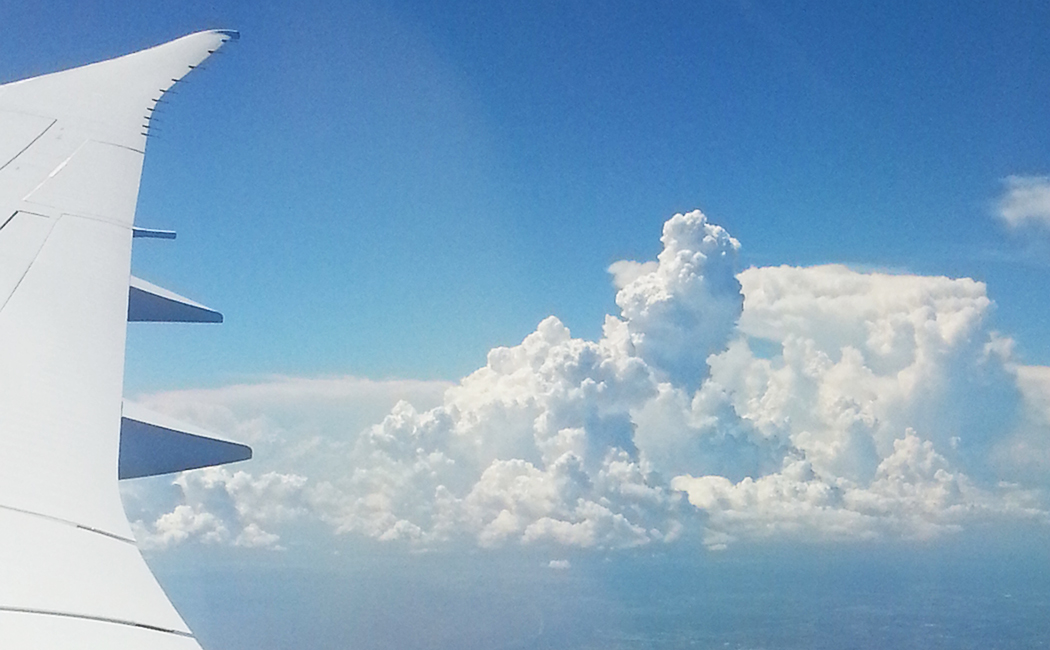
{"x":71,"y":151}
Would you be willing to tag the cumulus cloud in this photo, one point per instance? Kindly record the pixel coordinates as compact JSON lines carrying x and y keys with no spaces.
{"x":1025,"y":201}
{"x":913,"y":495}
{"x":782,"y":402}
{"x":217,"y":505}
{"x":535,"y":447}
{"x":684,"y":307}
{"x":862,"y":357}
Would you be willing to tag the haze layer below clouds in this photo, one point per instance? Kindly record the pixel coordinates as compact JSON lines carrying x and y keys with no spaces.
{"x":869,"y":598}
{"x":719,"y":407}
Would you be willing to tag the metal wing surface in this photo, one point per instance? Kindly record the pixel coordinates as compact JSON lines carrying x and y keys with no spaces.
{"x":71,"y":152}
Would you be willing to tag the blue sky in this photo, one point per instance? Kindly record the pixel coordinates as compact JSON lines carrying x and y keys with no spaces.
{"x":389,"y":189}
{"x":388,"y":199}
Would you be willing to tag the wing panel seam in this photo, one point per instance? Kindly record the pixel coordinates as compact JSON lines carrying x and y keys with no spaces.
{"x":31,"y":143}
{"x":88,"y":617}
{"x":33,"y":261}
{"x":69,"y":523}
{"x":122,"y":146}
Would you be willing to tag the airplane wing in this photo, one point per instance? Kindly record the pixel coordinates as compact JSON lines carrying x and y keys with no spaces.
{"x":71,"y":151}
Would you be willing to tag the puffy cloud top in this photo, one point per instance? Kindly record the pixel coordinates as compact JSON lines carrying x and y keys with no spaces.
{"x":685,"y":307}
{"x":781,"y":402}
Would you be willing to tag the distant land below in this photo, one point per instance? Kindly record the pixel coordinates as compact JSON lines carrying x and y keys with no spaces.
{"x":802,"y":599}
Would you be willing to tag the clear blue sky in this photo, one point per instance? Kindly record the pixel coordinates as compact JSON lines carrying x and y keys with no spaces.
{"x":391,"y":188}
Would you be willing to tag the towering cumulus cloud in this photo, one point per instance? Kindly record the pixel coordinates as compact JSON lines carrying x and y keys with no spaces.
{"x":806,"y":403}
{"x":684,"y":307}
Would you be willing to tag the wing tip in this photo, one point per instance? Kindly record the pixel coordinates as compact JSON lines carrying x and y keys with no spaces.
{"x":230,"y":34}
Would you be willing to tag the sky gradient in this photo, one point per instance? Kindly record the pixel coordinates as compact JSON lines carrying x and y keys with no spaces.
{"x":442,"y":179}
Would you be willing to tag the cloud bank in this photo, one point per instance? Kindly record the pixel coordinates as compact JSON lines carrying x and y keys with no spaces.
{"x":776,"y":403}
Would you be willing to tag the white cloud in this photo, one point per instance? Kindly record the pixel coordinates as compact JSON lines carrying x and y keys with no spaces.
{"x":179,"y":525}
{"x":1026,"y":200}
{"x":1024,"y":455}
{"x":863,"y":356}
{"x":218,"y":505}
{"x":535,"y":447}
{"x":802,"y":403}
{"x":686,"y":306}
{"x":251,"y":536}
{"x":914,"y":495}
{"x":625,"y":272}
